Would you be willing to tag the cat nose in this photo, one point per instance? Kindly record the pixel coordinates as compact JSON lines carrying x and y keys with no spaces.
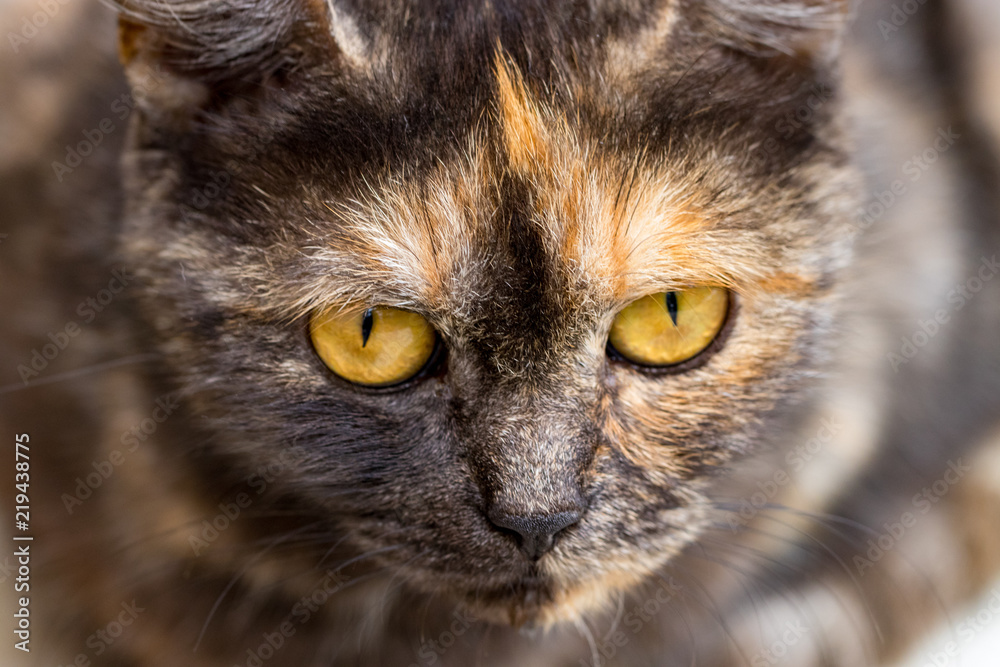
{"x":538,"y":531}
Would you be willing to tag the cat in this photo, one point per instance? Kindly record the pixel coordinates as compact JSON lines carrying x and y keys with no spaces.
{"x":499,"y":333}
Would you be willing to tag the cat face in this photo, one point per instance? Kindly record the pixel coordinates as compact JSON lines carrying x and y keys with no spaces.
{"x":516,"y":177}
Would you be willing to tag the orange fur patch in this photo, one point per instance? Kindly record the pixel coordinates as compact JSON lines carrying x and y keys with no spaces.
{"x":782,"y":282}
{"x":525,"y":133}
{"x":622,"y":225}
{"x":627,"y":230}
{"x":618,"y":227}
{"x":129,"y":36}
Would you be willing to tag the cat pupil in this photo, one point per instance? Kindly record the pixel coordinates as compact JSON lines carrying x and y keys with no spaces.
{"x":366,"y":327}
{"x":672,"y":306}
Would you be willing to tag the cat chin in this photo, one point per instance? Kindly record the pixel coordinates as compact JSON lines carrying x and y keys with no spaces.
{"x":574,"y":581}
{"x":542,"y":603}
{"x":571,"y":603}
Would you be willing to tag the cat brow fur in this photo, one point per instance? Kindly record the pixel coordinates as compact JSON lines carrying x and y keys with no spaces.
{"x":408,"y":244}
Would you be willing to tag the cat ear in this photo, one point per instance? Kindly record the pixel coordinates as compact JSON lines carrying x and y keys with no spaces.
{"x":803,"y":29}
{"x":196,"y":49}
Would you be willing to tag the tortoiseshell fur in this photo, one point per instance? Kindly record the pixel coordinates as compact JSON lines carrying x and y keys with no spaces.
{"x":517,"y":172}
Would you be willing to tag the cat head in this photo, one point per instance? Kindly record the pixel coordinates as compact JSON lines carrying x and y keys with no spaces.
{"x":504,"y":179}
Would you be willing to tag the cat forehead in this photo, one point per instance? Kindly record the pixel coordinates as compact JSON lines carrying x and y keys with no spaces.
{"x":533,"y":183}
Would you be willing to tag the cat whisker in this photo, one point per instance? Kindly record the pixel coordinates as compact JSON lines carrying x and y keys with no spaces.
{"x":843,"y":566}
{"x":813,"y":516}
{"x":585,"y":632}
{"x":783,"y":592}
{"x":710,"y":607}
{"x":232,"y":582}
{"x":619,"y":614}
{"x":481,"y":649}
{"x":82,"y":372}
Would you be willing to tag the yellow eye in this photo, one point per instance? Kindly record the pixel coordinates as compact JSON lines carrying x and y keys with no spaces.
{"x":377,"y":347}
{"x":669,"y":327}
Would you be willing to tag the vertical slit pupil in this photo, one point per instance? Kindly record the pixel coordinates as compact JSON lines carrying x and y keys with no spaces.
{"x":367,"y":322}
{"x":672,"y":306}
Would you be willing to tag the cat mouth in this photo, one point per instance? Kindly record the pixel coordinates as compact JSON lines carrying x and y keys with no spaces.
{"x":527,"y":603}
{"x":549,"y":595}
{"x":541,"y":599}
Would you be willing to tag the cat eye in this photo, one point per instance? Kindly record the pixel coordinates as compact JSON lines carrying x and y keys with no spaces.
{"x":376,"y":347}
{"x":668,"y":328}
